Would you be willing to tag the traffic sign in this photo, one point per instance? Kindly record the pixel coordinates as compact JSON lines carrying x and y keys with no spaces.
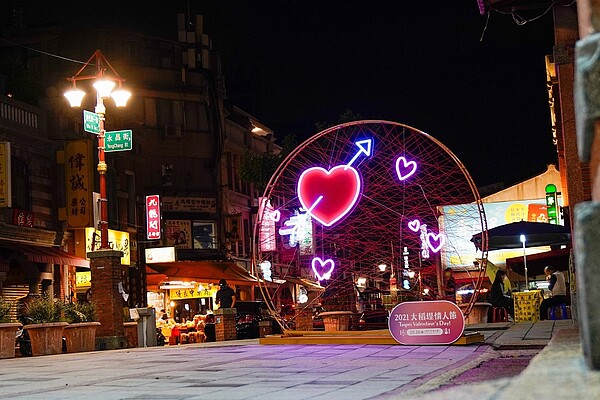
{"x":91,"y":122}
{"x":118,"y":140}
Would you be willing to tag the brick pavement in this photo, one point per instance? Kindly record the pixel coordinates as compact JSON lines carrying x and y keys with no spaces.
{"x":245,"y":370}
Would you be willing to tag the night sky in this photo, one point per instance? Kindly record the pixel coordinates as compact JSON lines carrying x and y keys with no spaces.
{"x":420,"y":63}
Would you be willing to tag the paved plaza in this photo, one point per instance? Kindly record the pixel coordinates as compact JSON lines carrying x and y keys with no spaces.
{"x":247,"y":370}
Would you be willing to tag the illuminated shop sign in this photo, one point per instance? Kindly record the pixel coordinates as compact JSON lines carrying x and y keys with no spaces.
{"x":153,"y":217}
{"x":429,"y":240}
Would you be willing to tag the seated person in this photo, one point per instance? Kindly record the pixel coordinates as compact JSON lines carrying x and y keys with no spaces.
{"x":450,"y":286}
{"x":498,"y":296}
{"x":558,"y":289}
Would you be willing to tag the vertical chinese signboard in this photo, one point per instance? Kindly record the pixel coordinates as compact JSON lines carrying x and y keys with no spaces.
{"x":551,"y":197}
{"x":153,"y":217}
{"x":79,"y":174}
{"x":5,"y":195}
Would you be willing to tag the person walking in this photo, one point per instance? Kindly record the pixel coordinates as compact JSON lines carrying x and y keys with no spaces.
{"x":558,"y":289}
{"x":225,"y":295}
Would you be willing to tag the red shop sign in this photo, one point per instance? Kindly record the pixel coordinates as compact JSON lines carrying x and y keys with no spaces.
{"x":426,"y":322}
{"x":153,"y":217}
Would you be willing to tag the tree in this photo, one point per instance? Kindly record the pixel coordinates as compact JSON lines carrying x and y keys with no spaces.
{"x":259,"y":168}
{"x":347,"y":116}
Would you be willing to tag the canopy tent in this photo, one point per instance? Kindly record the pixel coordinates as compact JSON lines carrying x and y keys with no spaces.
{"x":309,"y":285}
{"x":204,"y":271}
{"x":536,"y":234}
{"x":47,"y":255}
{"x":537,"y":262}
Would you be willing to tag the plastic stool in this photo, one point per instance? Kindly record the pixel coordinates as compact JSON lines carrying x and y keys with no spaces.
{"x":499,"y":314}
{"x":554,"y":315}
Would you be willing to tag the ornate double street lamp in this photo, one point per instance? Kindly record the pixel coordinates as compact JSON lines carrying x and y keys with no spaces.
{"x":94,"y":122}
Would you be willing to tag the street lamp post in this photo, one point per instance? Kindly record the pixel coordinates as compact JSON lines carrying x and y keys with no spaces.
{"x":104,"y":85}
{"x":523,"y":239}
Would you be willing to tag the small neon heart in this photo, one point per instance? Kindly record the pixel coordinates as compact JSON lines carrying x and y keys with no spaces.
{"x":436,"y":241}
{"x":405,"y":169}
{"x":414,"y":225}
{"x":318,"y":265}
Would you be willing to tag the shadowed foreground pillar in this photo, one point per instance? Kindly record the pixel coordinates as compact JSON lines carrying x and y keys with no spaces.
{"x":106,"y":276}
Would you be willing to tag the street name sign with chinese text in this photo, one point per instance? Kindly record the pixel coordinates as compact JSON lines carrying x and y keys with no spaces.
{"x":91,"y":122}
{"x":118,"y":141}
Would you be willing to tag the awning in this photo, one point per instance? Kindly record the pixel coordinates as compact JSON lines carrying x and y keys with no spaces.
{"x":204,"y":271}
{"x":306,"y":283}
{"x":536,"y":263}
{"x":49,"y":255}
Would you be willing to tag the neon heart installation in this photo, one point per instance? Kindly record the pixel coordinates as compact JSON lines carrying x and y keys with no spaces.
{"x":329,"y":195}
{"x":436,"y":241}
{"x":322,"y":269}
{"x":414,"y":225}
{"x":405,"y":169}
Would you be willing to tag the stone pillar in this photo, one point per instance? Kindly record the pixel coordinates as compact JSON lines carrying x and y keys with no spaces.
{"x":587,"y":251}
{"x":106,"y":276}
{"x":225,"y":324}
{"x":304,"y":320}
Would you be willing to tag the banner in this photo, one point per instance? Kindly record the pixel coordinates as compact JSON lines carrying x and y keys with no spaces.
{"x":79,"y":181}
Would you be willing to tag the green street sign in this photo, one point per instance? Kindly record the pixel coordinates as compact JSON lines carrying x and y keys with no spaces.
{"x":91,"y":122}
{"x":118,"y":140}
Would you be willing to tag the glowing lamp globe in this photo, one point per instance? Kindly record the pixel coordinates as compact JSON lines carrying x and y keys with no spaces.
{"x":104,"y":87}
{"x":121,"y":97}
{"x":75,"y":96}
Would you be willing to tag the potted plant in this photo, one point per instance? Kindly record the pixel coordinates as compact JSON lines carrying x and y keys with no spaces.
{"x":45,"y":324}
{"x":80,"y":334}
{"x":8,"y":330}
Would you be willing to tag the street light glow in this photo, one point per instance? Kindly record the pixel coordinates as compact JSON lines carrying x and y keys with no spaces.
{"x":104,"y":86}
{"x":75,"y":96}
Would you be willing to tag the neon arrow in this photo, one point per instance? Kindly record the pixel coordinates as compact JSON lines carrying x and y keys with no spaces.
{"x":364,"y":147}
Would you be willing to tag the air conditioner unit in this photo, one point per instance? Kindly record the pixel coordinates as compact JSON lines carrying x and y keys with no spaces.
{"x":173,"y":130}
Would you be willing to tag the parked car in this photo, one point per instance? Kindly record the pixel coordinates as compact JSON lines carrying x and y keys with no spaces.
{"x":248,"y":316}
{"x":373,"y":319}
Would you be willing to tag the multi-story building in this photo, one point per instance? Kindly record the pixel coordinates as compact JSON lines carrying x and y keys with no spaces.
{"x":187,"y":146}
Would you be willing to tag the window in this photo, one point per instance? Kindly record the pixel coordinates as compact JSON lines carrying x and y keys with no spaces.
{"x":131,"y":203}
{"x":205,"y":235}
{"x":20,"y":184}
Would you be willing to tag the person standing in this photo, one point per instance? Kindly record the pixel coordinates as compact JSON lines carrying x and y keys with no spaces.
{"x":225,"y":295}
{"x":558,"y":289}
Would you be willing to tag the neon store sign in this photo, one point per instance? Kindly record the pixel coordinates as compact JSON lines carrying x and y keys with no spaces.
{"x":429,"y":240}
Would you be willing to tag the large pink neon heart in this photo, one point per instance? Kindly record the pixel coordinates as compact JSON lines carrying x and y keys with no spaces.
{"x":405,"y":169}
{"x":329,"y":195}
{"x":436,"y":241}
{"x":322,"y":269}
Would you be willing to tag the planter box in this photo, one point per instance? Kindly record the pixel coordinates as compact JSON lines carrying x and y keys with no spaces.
{"x":8,"y":332}
{"x":336,"y":320}
{"x":81,"y":336}
{"x":131,"y":334}
{"x":46,"y":339}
